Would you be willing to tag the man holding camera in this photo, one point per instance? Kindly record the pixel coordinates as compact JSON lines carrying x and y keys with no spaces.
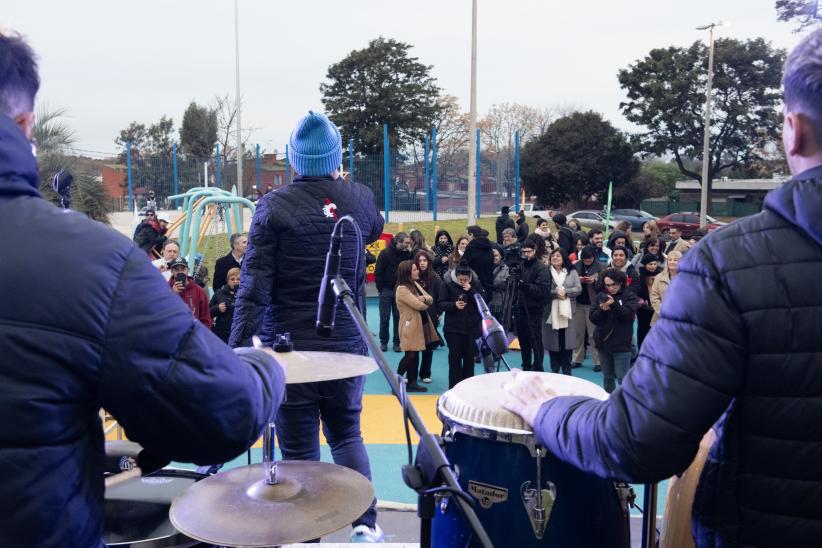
{"x":192,"y":294}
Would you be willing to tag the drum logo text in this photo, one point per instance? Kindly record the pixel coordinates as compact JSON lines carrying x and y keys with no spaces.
{"x":487,"y":495}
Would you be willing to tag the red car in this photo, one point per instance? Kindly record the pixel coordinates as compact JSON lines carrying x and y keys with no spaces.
{"x":686,"y":222}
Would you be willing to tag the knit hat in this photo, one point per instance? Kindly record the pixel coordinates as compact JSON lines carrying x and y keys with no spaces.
{"x":588,"y":252}
{"x":649,"y":258}
{"x":315,"y":146}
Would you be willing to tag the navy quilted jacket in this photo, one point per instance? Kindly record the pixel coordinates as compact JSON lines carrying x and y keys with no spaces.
{"x":283,"y":265}
{"x":86,"y":321}
{"x":738,"y":346}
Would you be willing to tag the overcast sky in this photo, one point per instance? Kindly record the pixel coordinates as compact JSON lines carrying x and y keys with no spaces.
{"x":109,"y":62}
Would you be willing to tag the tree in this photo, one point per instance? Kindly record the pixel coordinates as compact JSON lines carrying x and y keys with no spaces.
{"x":225,"y":109}
{"x":55,"y":142}
{"x":381,"y":84}
{"x":655,"y":179}
{"x":806,"y":13}
{"x":666,"y":94}
{"x":575,"y":159}
{"x":198,"y":132}
{"x":160,"y":136}
{"x":137,"y":135}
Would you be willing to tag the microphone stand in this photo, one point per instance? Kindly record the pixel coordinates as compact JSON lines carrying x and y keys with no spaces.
{"x":431,"y":468}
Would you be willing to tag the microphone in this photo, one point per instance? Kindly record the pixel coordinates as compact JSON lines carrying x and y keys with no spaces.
{"x":492,"y":330}
{"x":327,"y":301}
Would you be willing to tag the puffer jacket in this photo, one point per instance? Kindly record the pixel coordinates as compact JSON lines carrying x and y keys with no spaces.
{"x":468,"y":320}
{"x":737,"y":347}
{"x":283,"y":265}
{"x":222,"y":320}
{"x":76,"y":335}
{"x":479,"y":255}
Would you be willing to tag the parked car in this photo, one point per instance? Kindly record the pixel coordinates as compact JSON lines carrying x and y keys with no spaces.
{"x":591,"y":219}
{"x":637,"y":217}
{"x":534,"y":210}
{"x":686,"y":222}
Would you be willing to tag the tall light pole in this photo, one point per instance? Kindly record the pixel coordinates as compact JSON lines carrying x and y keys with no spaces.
{"x":472,"y":130}
{"x":706,"y":159}
{"x":238,"y":107}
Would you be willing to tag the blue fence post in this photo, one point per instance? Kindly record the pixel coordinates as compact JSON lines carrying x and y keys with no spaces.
{"x":174,"y":176}
{"x":427,"y":176}
{"x":218,"y":165}
{"x":516,"y":171}
{"x":434,"y":185}
{"x":479,"y":177}
{"x":386,"y":169}
{"x":351,"y":159}
{"x":287,"y":167}
{"x":259,"y":176}
{"x":128,"y":160}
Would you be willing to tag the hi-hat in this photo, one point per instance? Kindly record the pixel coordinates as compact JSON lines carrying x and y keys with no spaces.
{"x":238,"y":508}
{"x":323,"y":366}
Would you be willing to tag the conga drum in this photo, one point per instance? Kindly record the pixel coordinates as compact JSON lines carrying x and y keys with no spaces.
{"x":526,"y":497}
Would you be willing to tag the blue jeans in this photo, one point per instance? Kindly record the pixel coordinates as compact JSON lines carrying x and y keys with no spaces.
{"x":338,"y":405}
{"x":388,"y":309}
{"x":615,"y":366}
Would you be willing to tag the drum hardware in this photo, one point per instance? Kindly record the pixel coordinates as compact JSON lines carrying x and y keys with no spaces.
{"x":627,"y":495}
{"x":649,"y":532}
{"x":536,"y":499}
{"x":431,"y":462}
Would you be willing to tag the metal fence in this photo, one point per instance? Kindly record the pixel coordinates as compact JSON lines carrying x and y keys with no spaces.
{"x":428,"y":185}
{"x":717,"y":209}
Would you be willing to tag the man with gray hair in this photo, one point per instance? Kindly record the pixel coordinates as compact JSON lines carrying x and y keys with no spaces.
{"x":738,"y":350}
{"x":234,"y":259}
{"x":79,"y":334}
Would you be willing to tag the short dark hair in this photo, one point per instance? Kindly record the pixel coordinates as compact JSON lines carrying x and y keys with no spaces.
{"x":537,"y":243}
{"x":19,"y":81}
{"x":593,"y":232}
{"x":463,"y":269}
{"x":615,"y":274}
{"x":581,"y":237}
{"x":802,"y":80}
{"x":620,"y":248}
{"x":559,"y":219}
{"x":477,"y":231}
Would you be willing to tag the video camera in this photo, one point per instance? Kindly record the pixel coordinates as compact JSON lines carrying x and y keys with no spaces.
{"x":512,"y":256}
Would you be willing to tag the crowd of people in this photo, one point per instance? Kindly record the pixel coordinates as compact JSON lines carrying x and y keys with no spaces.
{"x":563,"y":291}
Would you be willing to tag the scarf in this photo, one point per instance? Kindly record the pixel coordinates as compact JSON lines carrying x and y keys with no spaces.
{"x":560,"y":308}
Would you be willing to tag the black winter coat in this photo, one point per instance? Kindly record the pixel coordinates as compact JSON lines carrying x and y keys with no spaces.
{"x":284,"y":262}
{"x":147,"y":237}
{"x":221,"y":268}
{"x":109,"y":333}
{"x":737,"y":347}
{"x":522,"y":231}
{"x":385,"y":271}
{"x":480,"y":257}
{"x":503,"y":222}
{"x":615,"y":327}
{"x":535,"y":287}
{"x":466,"y":321}
{"x":222,"y":320}
{"x":565,"y":239}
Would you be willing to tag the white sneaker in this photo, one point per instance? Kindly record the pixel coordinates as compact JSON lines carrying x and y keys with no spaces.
{"x":363,"y":534}
{"x":427,"y":380}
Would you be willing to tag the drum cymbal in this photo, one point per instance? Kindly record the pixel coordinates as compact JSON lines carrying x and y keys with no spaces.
{"x":237,"y":508}
{"x":324,"y":366}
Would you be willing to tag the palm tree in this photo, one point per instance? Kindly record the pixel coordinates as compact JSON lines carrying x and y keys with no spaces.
{"x":55,"y":146}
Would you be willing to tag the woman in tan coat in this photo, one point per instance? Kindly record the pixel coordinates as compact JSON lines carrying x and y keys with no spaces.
{"x":417,"y":332}
{"x":662,"y":282}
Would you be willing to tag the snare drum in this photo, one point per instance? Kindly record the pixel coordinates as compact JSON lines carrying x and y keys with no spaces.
{"x":495,"y":455}
{"x":136,"y":510}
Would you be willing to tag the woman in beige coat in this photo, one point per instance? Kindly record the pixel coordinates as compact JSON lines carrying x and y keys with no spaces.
{"x":662,"y":282}
{"x":417,"y":332}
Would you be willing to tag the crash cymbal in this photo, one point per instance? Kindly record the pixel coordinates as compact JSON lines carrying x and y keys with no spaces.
{"x":307,"y":366}
{"x":237,"y":507}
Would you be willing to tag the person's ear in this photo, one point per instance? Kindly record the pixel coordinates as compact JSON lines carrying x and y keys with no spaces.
{"x":791,"y":138}
{"x":25,"y":122}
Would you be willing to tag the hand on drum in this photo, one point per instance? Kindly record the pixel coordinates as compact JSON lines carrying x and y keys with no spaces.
{"x":525,"y":398}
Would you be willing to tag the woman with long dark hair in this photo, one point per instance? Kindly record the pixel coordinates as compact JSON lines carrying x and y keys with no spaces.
{"x":459,"y":251}
{"x":558,"y":332}
{"x":416,"y":329}
{"x":614,"y":315}
{"x":432,"y":284}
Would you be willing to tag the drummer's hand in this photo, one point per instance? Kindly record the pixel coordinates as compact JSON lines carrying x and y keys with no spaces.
{"x":525,"y":399}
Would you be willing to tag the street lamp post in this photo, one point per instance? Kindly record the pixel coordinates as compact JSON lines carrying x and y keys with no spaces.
{"x":472,"y":131}
{"x":240,"y":191}
{"x":706,"y":159}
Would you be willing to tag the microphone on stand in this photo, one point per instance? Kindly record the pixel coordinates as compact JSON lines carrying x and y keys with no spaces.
{"x":492,"y":330}
{"x":327,"y":301}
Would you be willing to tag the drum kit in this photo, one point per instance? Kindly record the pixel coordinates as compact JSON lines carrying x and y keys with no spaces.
{"x":266,"y":504}
{"x":524,"y":496}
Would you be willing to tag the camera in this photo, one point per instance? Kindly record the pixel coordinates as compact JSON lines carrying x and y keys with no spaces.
{"x":512,"y":256}
{"x":181,"y":278}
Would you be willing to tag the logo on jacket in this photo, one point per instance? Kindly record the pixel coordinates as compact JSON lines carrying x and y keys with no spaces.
{"x":330,"y":209}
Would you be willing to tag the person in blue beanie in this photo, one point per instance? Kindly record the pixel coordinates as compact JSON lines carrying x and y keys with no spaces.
{"x":281,"y":275}
{"x":78,"y":334}
{"x":737,"y":349}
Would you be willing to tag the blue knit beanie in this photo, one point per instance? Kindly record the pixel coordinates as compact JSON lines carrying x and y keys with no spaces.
{"x":315,"y":146}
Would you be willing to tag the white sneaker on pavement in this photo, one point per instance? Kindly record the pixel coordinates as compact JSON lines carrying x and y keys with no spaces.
{"x":364,"y":534}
